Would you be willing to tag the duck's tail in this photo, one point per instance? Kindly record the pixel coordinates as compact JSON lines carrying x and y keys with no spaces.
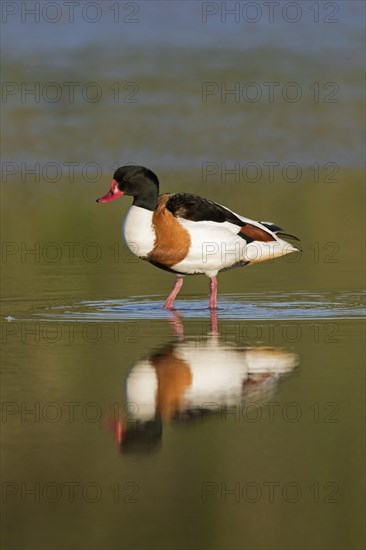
{"x":263,"y":251}
{"x":279,"y":231}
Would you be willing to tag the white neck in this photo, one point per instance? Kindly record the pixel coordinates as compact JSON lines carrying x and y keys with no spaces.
{"x":138,"y":231}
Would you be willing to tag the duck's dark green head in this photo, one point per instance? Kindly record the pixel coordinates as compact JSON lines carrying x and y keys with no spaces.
{"x":136,"y":181}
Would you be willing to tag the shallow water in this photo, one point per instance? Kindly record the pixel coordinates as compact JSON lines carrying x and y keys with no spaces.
{"x":291,"y":306}
{"x":284,"y":442}
{"x":127,"y":426}
{"x":255,"y":422}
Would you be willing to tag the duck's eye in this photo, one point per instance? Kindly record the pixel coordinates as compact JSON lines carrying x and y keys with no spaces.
{"x":125,"y":178}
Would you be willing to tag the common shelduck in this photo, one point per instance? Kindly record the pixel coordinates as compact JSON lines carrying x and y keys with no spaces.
{"x":186,"y":234}
{"x":190,"y":380}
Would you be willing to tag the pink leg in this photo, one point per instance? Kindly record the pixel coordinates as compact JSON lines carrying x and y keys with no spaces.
{"x":172,"y":296}
{"x":213,"y":293}
{"x":214,"y":324}
{"x":177,"y":325}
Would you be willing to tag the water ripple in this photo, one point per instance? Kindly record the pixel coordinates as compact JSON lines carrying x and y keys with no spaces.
{"x":269,"y":306}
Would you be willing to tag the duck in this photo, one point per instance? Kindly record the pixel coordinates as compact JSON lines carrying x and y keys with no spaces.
{"x":186,"y":234}
{"x":192,"y":379}
{"x":191,"y":375}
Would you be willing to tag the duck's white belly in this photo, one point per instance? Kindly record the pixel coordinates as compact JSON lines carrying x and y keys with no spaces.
{"x":138,"y":231}
{"x":218,"y":375}
{"x":213,"y":247}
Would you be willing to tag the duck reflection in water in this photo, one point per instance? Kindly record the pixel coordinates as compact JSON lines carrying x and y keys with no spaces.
{"x":190,"y":379}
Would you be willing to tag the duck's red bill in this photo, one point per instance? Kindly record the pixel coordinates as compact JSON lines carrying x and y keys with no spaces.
{"x":112,"y":194}
{"x":117,"y":427}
